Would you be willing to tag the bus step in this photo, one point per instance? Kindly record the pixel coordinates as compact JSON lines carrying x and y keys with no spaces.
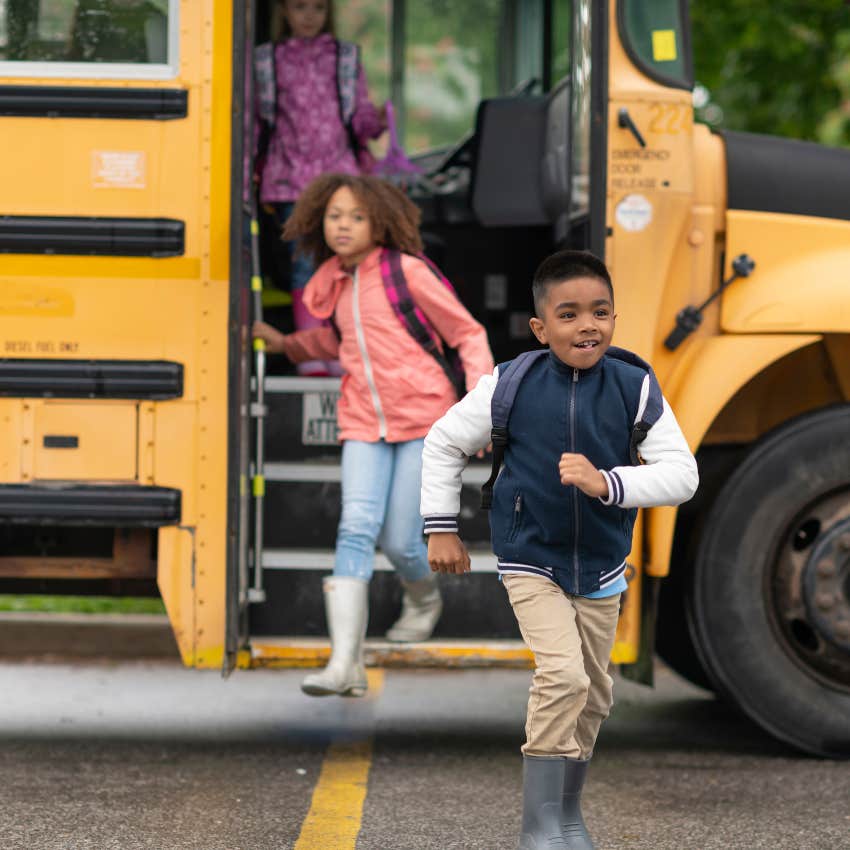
{"x":475,"y":605}
{"x":302,"y":505}
{"x":323,"y":559}
{"x":463,"y":654}
{"x":301,"y":419}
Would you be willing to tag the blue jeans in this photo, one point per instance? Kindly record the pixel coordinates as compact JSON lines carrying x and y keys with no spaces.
{"x":380,"y":504}
{"x":302,"y":266}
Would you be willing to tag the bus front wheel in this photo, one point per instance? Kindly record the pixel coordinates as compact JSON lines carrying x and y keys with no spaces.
{"x":769,"y":601}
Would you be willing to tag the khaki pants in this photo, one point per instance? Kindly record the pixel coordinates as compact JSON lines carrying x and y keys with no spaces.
{"x":571,"y":638}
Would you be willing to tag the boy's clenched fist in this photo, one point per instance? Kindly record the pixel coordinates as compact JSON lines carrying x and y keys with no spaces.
{"x":578,"y":470}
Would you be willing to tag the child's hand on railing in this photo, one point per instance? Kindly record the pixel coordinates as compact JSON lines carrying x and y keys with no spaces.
{"x":272,"y":337}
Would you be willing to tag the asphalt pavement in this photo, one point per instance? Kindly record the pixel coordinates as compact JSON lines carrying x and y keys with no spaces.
{"x":131,"y":755}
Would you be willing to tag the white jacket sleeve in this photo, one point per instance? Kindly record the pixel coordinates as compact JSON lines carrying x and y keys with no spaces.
{"x":463,"y":431}
{"x":668,"y":475}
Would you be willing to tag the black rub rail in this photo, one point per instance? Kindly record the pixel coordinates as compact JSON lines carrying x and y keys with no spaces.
{"x":128,"y":379}
{"x":93,"y":102}
{"x":91,"y":505}
{"x":113,"y":237}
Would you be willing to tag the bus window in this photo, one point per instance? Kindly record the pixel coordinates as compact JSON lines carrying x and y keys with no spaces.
{"x":655,"y":35}
{"x":89,"y":38}
{"x":451,"y":64}
{"x":368,"y":25}
{"x":526,"y":64}
{"x":561,"y":33}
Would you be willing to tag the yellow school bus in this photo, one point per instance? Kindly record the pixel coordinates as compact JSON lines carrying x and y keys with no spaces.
{"x":131,"y":460}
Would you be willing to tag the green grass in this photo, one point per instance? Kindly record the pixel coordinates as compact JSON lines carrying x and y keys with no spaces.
{"x":81,"y":604}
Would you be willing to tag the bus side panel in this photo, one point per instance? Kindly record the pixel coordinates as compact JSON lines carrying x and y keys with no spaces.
{"x":146,"y":308}
{"x":709,"y":374}
{"x":212,"y":353}
{"x":800,"y":280}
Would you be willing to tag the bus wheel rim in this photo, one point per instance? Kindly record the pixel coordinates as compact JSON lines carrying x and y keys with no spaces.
{"x":811,"y":590}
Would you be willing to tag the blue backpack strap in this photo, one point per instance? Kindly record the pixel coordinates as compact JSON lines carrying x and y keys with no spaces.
{"x":347,"y":70}
{"x":265,"y":84}
{"x":654,"y":402}
{"x":500,"y":412}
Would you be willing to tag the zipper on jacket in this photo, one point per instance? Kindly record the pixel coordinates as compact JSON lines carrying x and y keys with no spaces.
{"x":517,"y":517}
{"x":367,"y":363}
{"x":575,"y":489}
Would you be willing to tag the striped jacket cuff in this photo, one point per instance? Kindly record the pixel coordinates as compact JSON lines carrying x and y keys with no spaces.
{"x":616,"y":493}
{"x":441,"y":522}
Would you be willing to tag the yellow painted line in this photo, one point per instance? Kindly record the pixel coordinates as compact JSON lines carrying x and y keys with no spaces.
{"x":336,"y":810}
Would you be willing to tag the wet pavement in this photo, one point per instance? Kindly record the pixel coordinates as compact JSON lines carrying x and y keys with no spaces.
{"x":149,"y":755}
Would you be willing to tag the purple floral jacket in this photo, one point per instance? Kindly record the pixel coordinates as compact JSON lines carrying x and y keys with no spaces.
{"x":309,"y":137}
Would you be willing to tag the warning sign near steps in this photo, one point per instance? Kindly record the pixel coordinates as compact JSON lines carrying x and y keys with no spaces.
{"x":318,"y":422}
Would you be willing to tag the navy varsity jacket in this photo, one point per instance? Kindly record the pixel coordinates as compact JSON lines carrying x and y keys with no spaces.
{"x":537,"y":524}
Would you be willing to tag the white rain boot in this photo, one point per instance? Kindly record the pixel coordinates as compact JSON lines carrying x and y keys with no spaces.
{"x":347,"y":611}
{"x":421,"y":607}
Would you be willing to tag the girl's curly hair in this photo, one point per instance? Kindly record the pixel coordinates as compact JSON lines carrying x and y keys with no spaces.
{"x":394,"y":218}
{"x":282,"y":29}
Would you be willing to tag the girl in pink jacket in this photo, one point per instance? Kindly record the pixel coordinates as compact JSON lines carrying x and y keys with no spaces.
{"x":313,"y":105}
{"x":392,"y":392}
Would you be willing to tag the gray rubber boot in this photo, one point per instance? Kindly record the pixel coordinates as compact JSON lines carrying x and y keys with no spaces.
{"x":575,"y":831}
{"x":347,"y":610}
{"x":421,"y":607}
{"x":542,"y":790}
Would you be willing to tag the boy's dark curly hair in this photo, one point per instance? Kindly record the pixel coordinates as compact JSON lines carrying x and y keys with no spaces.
{"x":393,"y":216}
{"x":563,"y":266}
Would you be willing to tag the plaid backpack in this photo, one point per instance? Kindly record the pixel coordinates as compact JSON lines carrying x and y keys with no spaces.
{"x":415,"y":321}
{"x":265,"y":86}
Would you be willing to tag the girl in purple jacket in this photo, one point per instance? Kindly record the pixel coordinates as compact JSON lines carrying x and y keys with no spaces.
{"x":318,"y":118}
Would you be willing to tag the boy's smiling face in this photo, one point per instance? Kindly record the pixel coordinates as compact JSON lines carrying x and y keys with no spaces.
{"x":577,"y":321}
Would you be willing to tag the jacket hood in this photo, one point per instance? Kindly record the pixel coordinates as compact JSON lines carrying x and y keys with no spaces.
{"x":322,"y":291}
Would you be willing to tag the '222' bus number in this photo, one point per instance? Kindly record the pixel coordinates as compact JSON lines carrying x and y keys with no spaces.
{"x":669,"y":118}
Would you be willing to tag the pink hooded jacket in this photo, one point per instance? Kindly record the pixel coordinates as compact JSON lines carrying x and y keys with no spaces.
{"x":392,"y":389}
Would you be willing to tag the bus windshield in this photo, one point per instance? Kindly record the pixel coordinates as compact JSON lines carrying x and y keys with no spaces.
{"x":437,"y":60}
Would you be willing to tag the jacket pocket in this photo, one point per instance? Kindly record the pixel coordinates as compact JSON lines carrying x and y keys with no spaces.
{"x":627,"y":526}
{"x":516,"y":521}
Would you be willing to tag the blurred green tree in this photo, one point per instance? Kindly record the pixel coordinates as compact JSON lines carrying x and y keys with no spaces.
{"x":780,"y":67}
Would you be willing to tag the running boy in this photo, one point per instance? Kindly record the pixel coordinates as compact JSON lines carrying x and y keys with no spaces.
{"x":561,"y":520}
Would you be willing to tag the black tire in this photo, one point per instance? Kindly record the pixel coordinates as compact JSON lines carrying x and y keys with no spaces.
{"x":782,"y":666}
{"x":673,"y":636}
{"x":673,"y":641}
